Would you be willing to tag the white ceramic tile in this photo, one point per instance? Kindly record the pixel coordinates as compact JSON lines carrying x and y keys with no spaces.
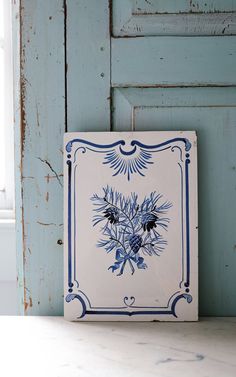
{"x":131,"y":226}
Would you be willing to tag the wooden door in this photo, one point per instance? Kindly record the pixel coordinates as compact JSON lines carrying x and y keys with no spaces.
{"x":166,"y":65}
{"x":123,"y":65}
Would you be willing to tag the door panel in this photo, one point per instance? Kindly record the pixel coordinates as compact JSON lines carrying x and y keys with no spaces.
{"x":217,"y":185}
{"x":140,"y":17}
{"x":126,"y":101}
{"x":88,"y":66}
{"x":154,"y":61}
{"x":179,"y":6}
{"x":175,"y":69}
{"x":212,"y":112}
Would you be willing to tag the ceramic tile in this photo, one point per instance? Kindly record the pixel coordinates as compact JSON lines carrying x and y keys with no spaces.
{"x":131,"y":226}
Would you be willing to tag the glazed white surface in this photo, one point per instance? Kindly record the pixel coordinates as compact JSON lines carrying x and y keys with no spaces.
{"x":166,"y":289}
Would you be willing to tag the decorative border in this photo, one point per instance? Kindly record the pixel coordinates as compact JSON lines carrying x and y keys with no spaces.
{"x":73,"y":285}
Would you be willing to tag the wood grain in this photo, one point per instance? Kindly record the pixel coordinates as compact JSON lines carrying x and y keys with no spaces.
{"x":41,"y":182}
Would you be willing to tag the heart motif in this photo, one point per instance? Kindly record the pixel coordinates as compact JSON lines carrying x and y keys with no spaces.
{"x":129,"y":301}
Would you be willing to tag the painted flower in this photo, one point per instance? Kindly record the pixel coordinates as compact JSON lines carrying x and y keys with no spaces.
{"x":148,"y":221}
{"x":127,"y":229}
{"x":112,"y":214}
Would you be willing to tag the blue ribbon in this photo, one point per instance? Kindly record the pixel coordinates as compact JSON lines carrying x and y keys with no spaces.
{"x":121,"y":259}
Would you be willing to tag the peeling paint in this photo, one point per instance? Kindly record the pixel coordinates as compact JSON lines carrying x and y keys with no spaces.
{"x":48,"y":177}
{"x":37,"y":115}
{"x":46,"y":224}
{"x":22,"y":142}
{"x":28,"y":304}
{"x":22,"y":109}
{"x":191,"y":21}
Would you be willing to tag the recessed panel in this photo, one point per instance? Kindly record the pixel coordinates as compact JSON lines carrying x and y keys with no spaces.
{"x":212,"y":113}
{"x":146,"y":18}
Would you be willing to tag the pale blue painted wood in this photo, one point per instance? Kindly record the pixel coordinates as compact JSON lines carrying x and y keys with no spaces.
{"x":88,"y":62}
{"x":42,"y":128}
{"x":18,"y":154}
{"x":181,"y":97}
{"x":42,"y":121}
{"x":182,"y":6}
{"x":140,"y":18}
{"x":150,"y":61}
{"x":212,"y":112}
{"x":127,"y":100}
{"x":205,"y":24}
{"x":94,"y":73}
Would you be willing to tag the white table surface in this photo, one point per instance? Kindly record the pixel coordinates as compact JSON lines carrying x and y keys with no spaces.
{"x":50,"y":346}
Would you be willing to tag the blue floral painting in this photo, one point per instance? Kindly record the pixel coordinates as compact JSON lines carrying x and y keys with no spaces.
{"x":130,"y":229}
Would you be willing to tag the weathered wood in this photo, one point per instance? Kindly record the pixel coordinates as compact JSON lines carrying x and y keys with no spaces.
{"x":42,"y":127}
{"x":142,"y":18}
{"x":140,"y":64}
{"x":181,"y":6}
{"x":88,"y":65}
{"x":18,"y":121}
{"x":173,"y":61}
{"x":176,"y":24}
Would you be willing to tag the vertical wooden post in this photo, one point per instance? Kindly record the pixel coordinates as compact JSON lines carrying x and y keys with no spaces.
{"x":40,"y":124}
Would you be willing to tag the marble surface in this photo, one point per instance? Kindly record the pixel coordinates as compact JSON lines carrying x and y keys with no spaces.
{"x":50,"y":346}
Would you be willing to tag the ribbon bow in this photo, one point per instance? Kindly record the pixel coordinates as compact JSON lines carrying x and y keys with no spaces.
{"x":121,"y":259}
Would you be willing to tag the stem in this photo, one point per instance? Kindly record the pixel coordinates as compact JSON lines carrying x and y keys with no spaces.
{"x":131,"y":265}
{"x":135,"y":213}
{"x":114,"y":239}
{"x":122,"y":268}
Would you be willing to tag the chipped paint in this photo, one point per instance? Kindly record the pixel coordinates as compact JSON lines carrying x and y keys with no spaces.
{"x":28,"y":304}
{"x":37,"y":115}
{"x":173,"y":19}
{"x":41,"y":114}
{"x":45,"y":224}
{"x":48,"y":177}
